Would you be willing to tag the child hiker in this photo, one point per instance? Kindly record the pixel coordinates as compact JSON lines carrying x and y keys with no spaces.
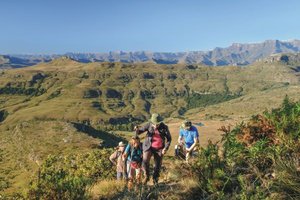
{"x":116,"y":159}
{"x":133,"y":153}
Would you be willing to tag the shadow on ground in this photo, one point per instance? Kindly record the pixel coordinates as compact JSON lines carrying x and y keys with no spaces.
{"x":109,"y":139}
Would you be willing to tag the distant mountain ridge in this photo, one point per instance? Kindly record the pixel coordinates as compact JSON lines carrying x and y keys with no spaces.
{"x":236,"y":54}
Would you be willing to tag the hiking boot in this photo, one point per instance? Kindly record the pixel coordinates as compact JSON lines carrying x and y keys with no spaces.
{"x":145,"y":180}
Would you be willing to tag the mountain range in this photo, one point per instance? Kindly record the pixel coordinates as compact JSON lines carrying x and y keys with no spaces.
{"x":236,"y":54}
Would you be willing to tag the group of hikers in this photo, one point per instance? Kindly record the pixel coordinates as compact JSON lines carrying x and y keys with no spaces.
{"x":134,"y":159}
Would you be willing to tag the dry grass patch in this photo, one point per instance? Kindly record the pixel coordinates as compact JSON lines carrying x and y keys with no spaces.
{"x":189,"y":185}
{"x":107,"y":189}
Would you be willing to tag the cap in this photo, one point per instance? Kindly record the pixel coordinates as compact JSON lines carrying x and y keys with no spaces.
{"x":186,"y":124}
{"x":121,"y":144}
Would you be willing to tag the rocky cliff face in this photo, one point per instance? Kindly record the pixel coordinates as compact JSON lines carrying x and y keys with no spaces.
{"x":288,"y":58}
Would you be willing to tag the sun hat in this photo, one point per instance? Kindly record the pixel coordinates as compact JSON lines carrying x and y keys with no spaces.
{"x":156,"y":118}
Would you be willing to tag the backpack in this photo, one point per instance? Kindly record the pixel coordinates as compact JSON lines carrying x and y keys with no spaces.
{"x":136,"y":154}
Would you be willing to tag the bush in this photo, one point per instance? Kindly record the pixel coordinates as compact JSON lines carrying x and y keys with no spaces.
{"x":4,"y":183}
{"x":257,"y":160}
{"x":22,"y":91}
{"x":3,"y":115}
{"x":201,"y":100}
{"x":70,"y":177}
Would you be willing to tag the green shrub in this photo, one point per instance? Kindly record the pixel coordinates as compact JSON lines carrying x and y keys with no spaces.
{"x":201,"y":100}
{"x":22,"y":91}
{"x":258,"y":159}
{"x":4,"y":183}
{"x":70,"y":177}
{"x":3,"y":115}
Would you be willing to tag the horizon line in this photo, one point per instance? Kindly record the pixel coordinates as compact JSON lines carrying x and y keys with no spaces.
{"x":148,"y":51}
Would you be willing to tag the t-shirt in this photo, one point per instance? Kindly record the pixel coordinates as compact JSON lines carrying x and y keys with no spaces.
{"x":157,"y":141}
{"x":136,"y":154}
{"x":189,"y":136}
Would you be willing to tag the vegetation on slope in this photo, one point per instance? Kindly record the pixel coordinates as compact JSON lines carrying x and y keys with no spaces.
{"x":118,"y":95}
{"x":70,"y":177}
{"x":257,"y":160}
{"x":65,"y":106}
{"x":254,"y":160}
{"x":25,"y":146}
{"x":199,"y":100}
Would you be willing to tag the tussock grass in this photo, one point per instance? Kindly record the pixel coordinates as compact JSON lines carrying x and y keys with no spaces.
{"x":189,"y":185}
{"x":107,"y":189}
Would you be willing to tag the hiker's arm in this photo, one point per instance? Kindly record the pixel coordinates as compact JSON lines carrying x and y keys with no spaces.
{"x":193,"y":146}
{"x":124,"y":156}
{"x":169,"y":139}
{"x":126,"y":152}
{"x":141,"y":129}
{"x":113,"y":158}
{"x":180,"y":137}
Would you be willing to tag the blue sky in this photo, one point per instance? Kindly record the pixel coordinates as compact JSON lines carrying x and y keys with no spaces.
{"x":60,"y":26}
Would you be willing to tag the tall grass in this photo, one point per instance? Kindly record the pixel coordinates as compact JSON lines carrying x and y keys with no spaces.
{"x":107,"y":189}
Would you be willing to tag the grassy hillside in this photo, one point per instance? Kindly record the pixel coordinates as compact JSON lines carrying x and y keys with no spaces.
{"x":64,"y":107}
{"x":24,"y":147}
{"x":258,"y":159}
{"x":119,"y":94}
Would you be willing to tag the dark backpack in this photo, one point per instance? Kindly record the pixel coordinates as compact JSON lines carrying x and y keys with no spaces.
{"x":136,"y":154}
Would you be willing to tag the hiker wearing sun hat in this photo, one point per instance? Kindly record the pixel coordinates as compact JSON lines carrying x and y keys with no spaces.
{"x":157,"y":142}
{"x":116,"y":159}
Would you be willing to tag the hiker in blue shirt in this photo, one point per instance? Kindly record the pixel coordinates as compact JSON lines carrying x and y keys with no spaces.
{"x":189,"y":136}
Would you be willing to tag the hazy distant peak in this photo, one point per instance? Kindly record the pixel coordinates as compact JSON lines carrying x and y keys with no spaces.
{"x":235,"y":54}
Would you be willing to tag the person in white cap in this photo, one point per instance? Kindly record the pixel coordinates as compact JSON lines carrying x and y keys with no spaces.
{"x":116,"y":159}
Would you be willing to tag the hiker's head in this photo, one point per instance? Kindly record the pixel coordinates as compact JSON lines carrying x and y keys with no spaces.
{"x":121,"y":146}
{"x":135,"y":141}
{"x":156,"y":119}
{"x":186,"y":124}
